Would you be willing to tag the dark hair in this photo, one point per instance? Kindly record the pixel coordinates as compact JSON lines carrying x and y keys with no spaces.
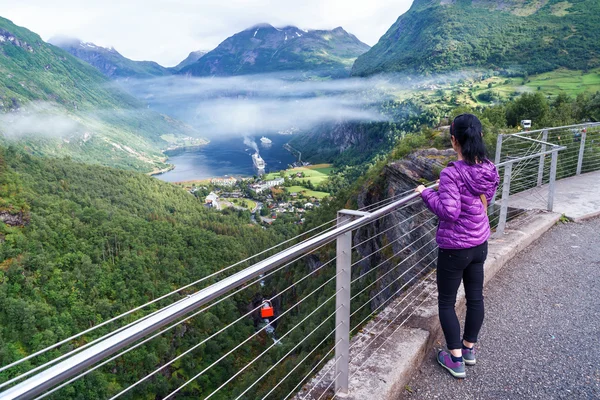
{"x":467,"y":130}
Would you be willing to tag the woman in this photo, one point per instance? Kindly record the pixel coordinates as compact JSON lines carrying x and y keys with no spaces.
{"x":466,"y":187}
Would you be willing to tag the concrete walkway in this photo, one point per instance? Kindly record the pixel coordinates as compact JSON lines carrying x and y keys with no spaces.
{"x":575,"y":197}
{"x":541,"y":335}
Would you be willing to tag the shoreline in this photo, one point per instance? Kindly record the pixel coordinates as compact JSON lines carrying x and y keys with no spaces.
{"x":157,"y":171}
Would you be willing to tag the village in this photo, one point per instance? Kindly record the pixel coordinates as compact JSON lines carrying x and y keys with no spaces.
{"x":285,"y":195}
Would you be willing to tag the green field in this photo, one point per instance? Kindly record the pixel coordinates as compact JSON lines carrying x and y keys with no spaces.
{"x":316,"y":174}
{"x":550,"y":83}
{"x":570,"y":82}
{"x":251,"y":204}
{"x":306,"y":192}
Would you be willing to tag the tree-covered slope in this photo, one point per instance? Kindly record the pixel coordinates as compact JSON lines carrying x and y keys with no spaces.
{"x":80,"y":244}
{"x":521,"y":36}
{"x":264,"y":48}
{"x":109,"y":61}
{"x":54,"y":104}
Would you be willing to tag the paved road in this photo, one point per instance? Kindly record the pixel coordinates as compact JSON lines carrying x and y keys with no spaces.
{"x":541,"y":335}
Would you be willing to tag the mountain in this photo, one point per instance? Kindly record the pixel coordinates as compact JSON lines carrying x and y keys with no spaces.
{"x":109,"y":61}
{"x":54,"y":104}
{"x":192,"y":58}
{"x":519,"y":36}
{"x":264,"y":48}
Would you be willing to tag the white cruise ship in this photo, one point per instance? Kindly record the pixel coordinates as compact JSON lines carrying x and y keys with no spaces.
{"x":266,"y":140}
{"x":258,"y":161}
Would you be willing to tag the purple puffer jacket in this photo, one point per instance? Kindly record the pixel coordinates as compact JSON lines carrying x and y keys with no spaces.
{"x":457,"y":203}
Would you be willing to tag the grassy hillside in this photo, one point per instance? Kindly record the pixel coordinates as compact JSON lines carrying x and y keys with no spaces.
{"x":519,"y":36}
{"x":53,"y":104}
{"x":109,"y":61}
{"x":265,"y":48}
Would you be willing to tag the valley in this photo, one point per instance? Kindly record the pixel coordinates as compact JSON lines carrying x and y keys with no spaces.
{"x":86,"y":234}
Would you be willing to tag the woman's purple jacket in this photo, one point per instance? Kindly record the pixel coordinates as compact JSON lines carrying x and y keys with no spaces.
{"x":457,"y":203}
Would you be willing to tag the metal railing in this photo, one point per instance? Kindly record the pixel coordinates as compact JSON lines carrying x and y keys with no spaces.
{"x":527,"y":178}
{"x":382,"y":253}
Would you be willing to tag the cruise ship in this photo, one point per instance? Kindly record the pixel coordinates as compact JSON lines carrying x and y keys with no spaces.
{"x":258,"y":161}
{"x":266,"y":140}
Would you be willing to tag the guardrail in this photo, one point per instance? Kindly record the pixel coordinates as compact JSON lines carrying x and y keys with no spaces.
{"x":522,"y":156}
{"x":383,"y":252}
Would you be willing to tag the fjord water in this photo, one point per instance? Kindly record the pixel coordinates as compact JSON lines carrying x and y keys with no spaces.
{"x":227,"y":157}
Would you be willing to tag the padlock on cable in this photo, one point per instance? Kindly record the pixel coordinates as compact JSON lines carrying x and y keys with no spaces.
{"x":266,"y":310}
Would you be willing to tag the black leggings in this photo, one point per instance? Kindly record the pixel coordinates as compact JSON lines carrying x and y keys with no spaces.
{"x":452,"y":267}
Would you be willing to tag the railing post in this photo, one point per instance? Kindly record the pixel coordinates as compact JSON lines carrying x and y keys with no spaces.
{"x":552,"y":180}
{"x":342,"y":305}
{"x":542,"y":158}
{"x":581,"y":151}
{"x":505,"y":195}
{"x":498,"y":148}
{"x":497,"y":159}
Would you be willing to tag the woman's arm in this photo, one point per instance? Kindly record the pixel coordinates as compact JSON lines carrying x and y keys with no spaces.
{"x":445,"y":203}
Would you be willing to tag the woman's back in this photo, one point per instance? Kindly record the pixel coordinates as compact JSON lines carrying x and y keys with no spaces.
{"x":463,"y":218}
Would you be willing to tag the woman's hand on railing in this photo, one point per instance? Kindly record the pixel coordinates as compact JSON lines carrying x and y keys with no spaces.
{"x":420,"y":189}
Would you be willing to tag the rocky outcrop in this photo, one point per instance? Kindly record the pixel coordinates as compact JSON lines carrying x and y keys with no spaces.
{"x":11,"y":219}
{"x":8,"y":38}
{"x":406,"y":251}
{"x":328,"y":142}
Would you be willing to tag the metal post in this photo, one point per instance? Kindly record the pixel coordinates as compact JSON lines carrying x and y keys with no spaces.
{"x":552,"y":180}
{"x":497,"y":160}
{"x":542,"y":158}
{"x":581,"y":151}
{"x":342,"y":304}
{"x":498,"y":148}
{"x":505,"y":195}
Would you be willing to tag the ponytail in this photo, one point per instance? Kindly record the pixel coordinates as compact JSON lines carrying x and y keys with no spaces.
{"x":467,"y":130}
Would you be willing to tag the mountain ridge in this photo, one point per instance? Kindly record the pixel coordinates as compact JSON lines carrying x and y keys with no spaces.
{"x":190,"y":59}
{"x":265,"y":48}
{"x":109,"y":61}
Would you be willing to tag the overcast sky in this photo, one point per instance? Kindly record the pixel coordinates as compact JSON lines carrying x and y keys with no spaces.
{"x":167,"y":30}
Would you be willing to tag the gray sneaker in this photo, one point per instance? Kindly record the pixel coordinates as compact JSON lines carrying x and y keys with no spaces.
{"x":456,"y":369}
{"x":469,"y":356}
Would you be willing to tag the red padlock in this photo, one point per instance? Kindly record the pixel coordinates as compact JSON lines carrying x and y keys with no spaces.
{"x":266,"y":311}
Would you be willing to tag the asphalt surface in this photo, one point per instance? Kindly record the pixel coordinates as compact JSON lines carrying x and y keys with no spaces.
{"x":541,"y":334}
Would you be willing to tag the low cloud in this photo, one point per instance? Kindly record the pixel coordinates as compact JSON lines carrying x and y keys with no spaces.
{"x":249,"y":105}
{"x":40,"y":120}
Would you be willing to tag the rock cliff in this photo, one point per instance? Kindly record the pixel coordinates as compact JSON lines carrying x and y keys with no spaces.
{"x":407,"y":248}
